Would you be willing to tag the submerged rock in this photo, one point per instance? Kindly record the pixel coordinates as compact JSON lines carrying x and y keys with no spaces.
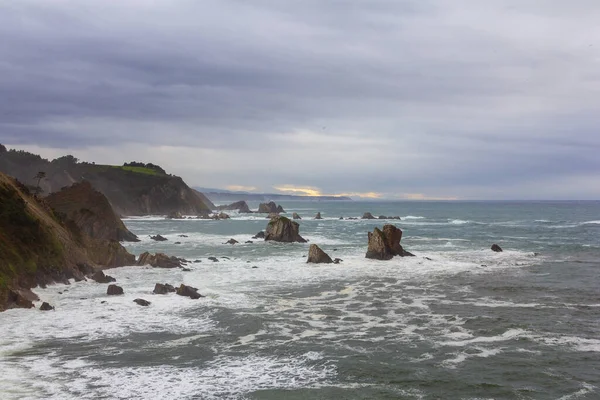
{"x":46,"y":307}
{"x":142,"y":302}
{"x":213,"y":259}
{"x":114,"y":290}
{"x":282,"y":229}
{"x":318,"y":256}
{"x":337,"y":260}
{"x":496,"y":248}
{"x":188,"y":291}
{"x":385,"y":244}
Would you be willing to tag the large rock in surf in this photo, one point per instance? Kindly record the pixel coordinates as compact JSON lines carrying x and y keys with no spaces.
{"x":160,"y":260}
{"x":385,"y":244}
{"x":282,"y":229}
{"x":100,"y":277}
{"x":241,"y":206}
{"x":496,"y":248}
{"x":318,"y":256}
{"x":46,"y":307}
{"x":114,"y":290}
{"x":188,"y":291}
{"x":270,"y":208}
{"x":368,"y":215}
{"x":296,"y":216}
{"x":159,"y":288}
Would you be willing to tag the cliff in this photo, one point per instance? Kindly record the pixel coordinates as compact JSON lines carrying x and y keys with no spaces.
{"x":90,"y":211}
{"x":130,"y":189}
{"x":38,"y":246}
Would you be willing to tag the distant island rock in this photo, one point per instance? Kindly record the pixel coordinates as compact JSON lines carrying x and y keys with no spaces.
{"x":270,"y":208}
{"x":241,"y":206}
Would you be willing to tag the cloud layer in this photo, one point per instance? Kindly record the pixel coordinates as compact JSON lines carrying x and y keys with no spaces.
{"x":417,"y":98}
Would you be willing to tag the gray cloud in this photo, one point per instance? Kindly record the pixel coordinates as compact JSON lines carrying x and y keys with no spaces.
{"x":468,"y":99}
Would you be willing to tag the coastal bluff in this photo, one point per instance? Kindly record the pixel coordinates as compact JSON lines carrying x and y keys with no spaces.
{"x":39,"y":246}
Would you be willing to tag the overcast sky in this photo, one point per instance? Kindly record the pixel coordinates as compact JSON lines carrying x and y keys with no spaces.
{"x":464,"y":99}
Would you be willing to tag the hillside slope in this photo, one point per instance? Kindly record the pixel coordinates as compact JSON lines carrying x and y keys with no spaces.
{"x":131,"y":190}
{"x":38,"y":247}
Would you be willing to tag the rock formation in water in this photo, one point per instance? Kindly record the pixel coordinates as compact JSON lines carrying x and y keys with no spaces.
{"x":282,"y":229}
{"x":385,"y":244}
{"x":296,"y":216}
{"x":496,"y":248}
{"x":270,"y":208}
{"x":160,"y":260}
{"x":318,"y":256}
{"x":368,"y":215}
{"x":318,"y":215}
{"x":160,"y":288}
{"x":188,"y":291}
{"x":114,"y":290}
{"x":240,"y":206}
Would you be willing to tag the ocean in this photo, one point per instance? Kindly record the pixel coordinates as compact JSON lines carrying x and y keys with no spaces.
{"x":457,"y":321}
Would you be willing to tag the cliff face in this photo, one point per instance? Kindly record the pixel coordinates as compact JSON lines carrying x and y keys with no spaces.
{"x":38,"y":247}
{"x":130,"y":190}
{"x":91,"y":212}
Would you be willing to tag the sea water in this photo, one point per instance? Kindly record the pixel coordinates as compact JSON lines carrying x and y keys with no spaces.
{"x":457,"y":321}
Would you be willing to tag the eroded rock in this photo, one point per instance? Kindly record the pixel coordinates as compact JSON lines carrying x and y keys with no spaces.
{"x":114,"y":290}
{"x":282,"y":229}
{"x":318,"y":256}
{"x":385,"y":244}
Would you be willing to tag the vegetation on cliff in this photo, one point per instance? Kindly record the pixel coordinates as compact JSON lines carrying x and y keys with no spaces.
{"x":132,"y":189}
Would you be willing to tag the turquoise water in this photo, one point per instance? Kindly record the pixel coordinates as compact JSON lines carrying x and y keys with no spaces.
{"x":456,"y":322}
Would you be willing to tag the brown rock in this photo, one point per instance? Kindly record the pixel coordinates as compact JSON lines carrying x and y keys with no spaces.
{"x":318,"y":256}
{"x":270,"y":208}
{"x":296,"y":216}
{"x":188,"y":291}
{"x":114,"y":290}
{"x":100,"y":277}
{"x":159,"y":288}
{"x":231,"y":241}
{"x":282,"y":229}
{"x":160,"y":260}
{"x":142,"y":302}
{"x":383,"y":245}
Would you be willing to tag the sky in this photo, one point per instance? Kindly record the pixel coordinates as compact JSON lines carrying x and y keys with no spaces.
{"x":395,"y":99}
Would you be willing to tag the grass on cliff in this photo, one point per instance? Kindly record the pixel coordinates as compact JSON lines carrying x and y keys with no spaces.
{"x":139,"y":170}
{"x":25,"y":243}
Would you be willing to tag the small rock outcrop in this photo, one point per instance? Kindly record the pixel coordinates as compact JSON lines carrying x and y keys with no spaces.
{"x":282,"y":229}
{"x":368,"y":215}
{"x":160,"y":260}
{"x":318,"y":256}
{"x":259,"y":235}
{"x":337,"y":260}
{"x":114,"y":290}
{"x":496,"y":248}
{"x":240,"y":206}
{"x":213,"y":259}
{"x":296,"y":216}
{"x":188,"y":291}
{"x":46,"y":307}
{"x":231,"y":241}
{"x":160,"y":288}
{"x":100,"y":277}
{"x":142,"y":302}
{"x":270,"y":207}
{"x":385,"y":244}
{"x":159,"y":238}
{"x":318,"y":215}
{"x":175,"y":215}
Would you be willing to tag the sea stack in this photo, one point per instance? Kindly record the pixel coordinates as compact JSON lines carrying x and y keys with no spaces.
{"x":282,"y":229}
{"x":318,"y":256}
{"x":385,"y":244}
